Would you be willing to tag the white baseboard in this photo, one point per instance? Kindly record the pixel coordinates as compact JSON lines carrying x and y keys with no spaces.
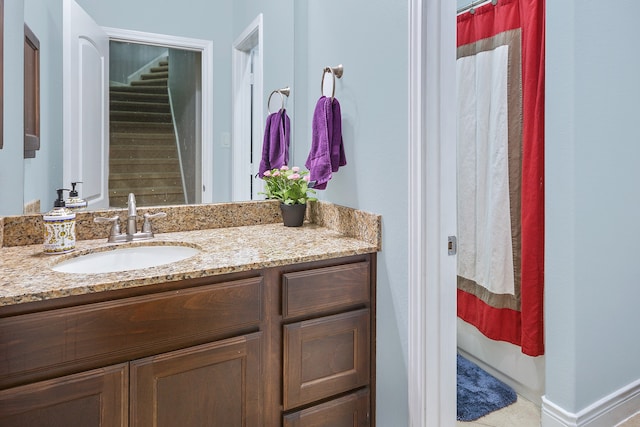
{"x":607,"y":412}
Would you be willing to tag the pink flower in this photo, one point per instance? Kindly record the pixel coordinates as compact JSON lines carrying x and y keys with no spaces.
{"x":306,"y":178}
{"x":267,"y":173}
{"x":294,"y":176}
{"x":284,"y":168}
{"x":295,"y":169}
{"x":276,"y":173}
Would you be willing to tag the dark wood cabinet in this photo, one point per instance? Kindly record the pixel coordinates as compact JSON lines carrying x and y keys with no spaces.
{"x":215,"y":384}
{"x":328,"y":342}
{"x":352,"y":410}
{"x":291,"y":345}
{"x":99,"y":397}
{"x":325,"y":357}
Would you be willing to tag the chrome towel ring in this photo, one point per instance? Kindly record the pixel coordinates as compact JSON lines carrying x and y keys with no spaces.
{"x":336,"y":71}
{"x":285,"y":91}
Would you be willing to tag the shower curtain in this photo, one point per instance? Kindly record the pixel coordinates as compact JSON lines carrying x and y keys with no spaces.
{"x":500,"y":73}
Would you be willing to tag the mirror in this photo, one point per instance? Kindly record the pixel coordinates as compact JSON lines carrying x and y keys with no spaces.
{"x":221,"y":22}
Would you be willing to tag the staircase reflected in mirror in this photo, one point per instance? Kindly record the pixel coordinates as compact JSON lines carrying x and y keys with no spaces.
{"x":143,"y":155}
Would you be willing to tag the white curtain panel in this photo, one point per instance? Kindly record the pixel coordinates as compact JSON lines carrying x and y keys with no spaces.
{"x":484,"y":223}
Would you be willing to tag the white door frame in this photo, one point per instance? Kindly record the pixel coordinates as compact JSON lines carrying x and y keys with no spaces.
{"x":205,"y":47}
{"x":432,"y":213}
{"x":251,"y":37}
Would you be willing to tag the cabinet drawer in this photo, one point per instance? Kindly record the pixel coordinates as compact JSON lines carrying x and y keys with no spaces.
{"x":69,"y":339}
{"x":351,"y":410}
{"x":313,"y":292}
{"x":325,"y":356}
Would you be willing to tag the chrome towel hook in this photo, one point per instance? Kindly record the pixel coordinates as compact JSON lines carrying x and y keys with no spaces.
{"x":285,"y":91}
{"x":336,"y":71}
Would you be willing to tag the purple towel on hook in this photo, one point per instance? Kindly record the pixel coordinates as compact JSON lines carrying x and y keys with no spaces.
{"x":275,"y":146}
{"x":327,"y":148}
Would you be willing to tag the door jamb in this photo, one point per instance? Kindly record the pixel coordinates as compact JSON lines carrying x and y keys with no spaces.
{"x":250,"y":37}
{"x":432,"y":214}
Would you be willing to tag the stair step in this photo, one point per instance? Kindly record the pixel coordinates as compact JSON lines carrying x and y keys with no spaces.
{"x":160,"y":69}
{"x":147,"y":152}
{"x":152,"y":196}
{"x":150,"y":82}
{"x":155,"y":107}
{"x":132,"y":176}
{"x":139,"y":116}
{"x":163,"y":63}
{"x":155,"y":75}
{"x":143,"y":165}
{"x":159,"y":140}
{"x":141,"y":127}
{"x":146,"y":89}
{"x":142,"y":192}
{"x":133,"y":181}
{"x":159,"y":98}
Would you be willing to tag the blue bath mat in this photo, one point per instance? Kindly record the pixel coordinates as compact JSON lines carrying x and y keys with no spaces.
{"x":479,"y":393}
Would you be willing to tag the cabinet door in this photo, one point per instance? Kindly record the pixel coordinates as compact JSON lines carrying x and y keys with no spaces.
{"x":214,"y":385}
{"x":97,"y":398}
{"x":325,"y":356}
{"x":351,"y":410}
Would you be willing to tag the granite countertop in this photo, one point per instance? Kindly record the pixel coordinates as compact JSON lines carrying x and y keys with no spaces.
{"x":26,"y":274}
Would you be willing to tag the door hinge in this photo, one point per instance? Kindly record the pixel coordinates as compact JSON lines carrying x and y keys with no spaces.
{"x":452,"y":245}
{"x":251,"y":78}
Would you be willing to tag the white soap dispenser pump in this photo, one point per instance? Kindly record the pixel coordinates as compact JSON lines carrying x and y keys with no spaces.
{"x":59,"y":227}
{"x":74,"y":202}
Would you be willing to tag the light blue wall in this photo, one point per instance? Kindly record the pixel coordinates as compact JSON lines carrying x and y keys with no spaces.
{"x":278,"y":42}
{"x":127,"y":58}
{"x":592,"y":200}
{"x":43,"y":174}
{"x":184,"y":81}
{"x":370,"y":39}
{"x":11,"y":156}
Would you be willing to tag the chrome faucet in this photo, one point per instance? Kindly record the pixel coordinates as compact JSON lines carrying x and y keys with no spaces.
{"x":132,"y":227}
{"x":132,"y":232}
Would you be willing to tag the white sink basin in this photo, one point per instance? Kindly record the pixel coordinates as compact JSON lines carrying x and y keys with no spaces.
{"x":126,"y":258}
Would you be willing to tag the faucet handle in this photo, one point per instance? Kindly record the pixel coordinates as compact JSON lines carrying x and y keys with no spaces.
{"x":146,"y":226}
{"x":115,"y":228}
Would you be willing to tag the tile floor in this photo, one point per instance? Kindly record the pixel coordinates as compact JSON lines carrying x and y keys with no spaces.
{"x":523,"y":413}
{"x":631,"y":422}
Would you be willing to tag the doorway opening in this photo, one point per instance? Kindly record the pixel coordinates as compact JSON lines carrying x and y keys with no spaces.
{"x":160,"y":143}
{"x":247,"y":101}
{"x":155,"y":137}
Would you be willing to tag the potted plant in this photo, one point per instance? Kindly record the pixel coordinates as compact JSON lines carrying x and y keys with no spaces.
{"x":292,"y":187}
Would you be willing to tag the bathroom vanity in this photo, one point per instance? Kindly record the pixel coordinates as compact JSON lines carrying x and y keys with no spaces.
{"x":267,"y":326}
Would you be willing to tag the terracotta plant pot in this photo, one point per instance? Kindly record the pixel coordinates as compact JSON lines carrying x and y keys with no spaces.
{"x":293,"y":215}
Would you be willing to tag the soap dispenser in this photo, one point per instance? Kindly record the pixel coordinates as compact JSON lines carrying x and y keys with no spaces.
{"x":59,"y":227}
{"x":74,"y":202}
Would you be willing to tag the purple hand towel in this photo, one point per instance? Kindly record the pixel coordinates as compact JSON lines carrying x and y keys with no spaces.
{"x":327,"y":148}
{"x":275,"y":146}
